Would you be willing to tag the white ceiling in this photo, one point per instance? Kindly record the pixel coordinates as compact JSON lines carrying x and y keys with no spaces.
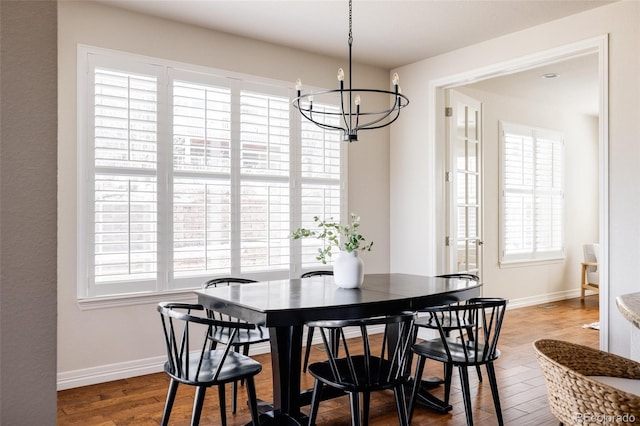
{"x":386,"y":33}
{"x":392,"y":33}
{"x":576,"y":86}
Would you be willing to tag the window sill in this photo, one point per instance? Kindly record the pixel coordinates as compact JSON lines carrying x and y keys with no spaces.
{"x":524,"y":263}
{"x":107,"y":302}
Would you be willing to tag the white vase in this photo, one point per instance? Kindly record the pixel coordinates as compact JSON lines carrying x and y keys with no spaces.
{"x":348,"y":270}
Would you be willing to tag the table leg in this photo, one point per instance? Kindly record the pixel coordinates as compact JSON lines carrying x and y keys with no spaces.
{"x":428,"y":400}
{"x":425,"y":397}
{"x":286,"y":351}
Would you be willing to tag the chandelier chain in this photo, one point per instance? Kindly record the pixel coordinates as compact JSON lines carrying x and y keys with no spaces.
{"x":350,"y":26}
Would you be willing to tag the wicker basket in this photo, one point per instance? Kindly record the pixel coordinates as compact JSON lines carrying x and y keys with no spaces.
{"x":578,"y":400}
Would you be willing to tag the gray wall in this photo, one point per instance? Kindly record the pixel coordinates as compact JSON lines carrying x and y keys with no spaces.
{"x":28,"y":152}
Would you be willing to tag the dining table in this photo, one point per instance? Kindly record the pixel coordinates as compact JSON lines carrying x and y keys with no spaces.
{"x":285,"y":305}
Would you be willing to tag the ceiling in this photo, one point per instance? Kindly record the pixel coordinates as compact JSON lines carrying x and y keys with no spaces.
{"x":392,"y":33}
{"x":386,"y":33}
{"x":576,"y":86}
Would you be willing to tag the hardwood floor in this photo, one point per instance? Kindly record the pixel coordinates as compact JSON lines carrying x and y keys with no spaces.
{"x":140,"y":400}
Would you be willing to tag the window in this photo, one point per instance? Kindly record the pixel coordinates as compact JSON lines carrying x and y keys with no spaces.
{"x":189,"y":173}
{"x":532,"y":194}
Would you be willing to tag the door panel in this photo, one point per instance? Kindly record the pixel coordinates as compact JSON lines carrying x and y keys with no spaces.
{"x":464,"y":197}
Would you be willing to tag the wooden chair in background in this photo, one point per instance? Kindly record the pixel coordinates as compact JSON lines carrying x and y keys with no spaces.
{"x":589,"y":272}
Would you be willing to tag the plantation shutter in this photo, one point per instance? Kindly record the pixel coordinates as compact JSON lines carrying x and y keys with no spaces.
{"x":264,"y":181}
{"x":123,"y":132}
{"x":201,"y":179}
{"x":320,"y":177}
{"x":231,"y":180}
{"x":532,"y":194}
{"x":187,"y":173}
{"x":549,"y":194}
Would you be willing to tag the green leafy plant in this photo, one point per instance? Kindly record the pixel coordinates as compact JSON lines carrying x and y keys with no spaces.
{"x":343,"y":237}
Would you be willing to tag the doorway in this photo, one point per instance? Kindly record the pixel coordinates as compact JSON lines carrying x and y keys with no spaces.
{"x":596,"y":51}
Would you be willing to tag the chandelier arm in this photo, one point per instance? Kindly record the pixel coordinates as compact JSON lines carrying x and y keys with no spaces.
{"x":347,"y":123}
{"x":296,"y":101}
{"x":308,"y":113}
{"x":397,"y":107}
{"x":400,"y":102}
{"x":386,"y":114}
{"x":367,"y":126}
{"x":318,"y":123}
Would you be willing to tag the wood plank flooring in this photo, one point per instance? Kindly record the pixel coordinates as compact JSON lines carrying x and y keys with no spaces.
{"x":140,"y":400}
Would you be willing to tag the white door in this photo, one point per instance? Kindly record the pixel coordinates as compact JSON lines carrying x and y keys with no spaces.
{"x":463,"y":184}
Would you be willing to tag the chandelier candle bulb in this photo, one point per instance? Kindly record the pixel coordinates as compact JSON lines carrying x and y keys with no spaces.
{"x":396,"y":79}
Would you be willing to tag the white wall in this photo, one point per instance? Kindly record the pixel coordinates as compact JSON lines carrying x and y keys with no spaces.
{"x":103,"y":344}
{"x":536,"y":283}
{"x":412,"y":181}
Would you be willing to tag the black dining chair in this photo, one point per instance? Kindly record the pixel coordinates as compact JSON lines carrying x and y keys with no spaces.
{"x":470,"y":339}
{"x":242,"y":340}
{"x":447,"y":320}
{"x":364,"y":368}
{"x":190,"y":360}
{"x":310,"y":330}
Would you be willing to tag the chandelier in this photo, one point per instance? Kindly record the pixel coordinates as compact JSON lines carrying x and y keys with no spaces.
{"x":352,"y":116}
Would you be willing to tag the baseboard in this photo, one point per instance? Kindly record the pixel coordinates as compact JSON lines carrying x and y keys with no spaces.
{"x":543,"y":298}
{"x":124,"y":370}
{"x":109,"y":372}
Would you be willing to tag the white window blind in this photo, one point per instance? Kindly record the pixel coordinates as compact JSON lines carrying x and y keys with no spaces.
{"x":320,"y":177}
{"x":201,"y":190}
{"x":532,"y":194}
{"x":123,"y":203}
{"x":192,"y":174}
{"x":264,"y":182}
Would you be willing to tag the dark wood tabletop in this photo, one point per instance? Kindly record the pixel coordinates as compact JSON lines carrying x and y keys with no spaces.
{"x":296,"y":301}
{"x":286,"y":305}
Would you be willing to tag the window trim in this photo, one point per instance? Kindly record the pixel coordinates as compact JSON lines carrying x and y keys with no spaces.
{"x":534,"y":257}
{"x":166,"y":69}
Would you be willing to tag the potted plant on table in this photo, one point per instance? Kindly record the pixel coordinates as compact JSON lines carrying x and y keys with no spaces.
{"x":348,"y":268}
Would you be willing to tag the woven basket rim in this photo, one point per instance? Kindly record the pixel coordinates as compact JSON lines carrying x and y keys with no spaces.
{"x":568,"y":388}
